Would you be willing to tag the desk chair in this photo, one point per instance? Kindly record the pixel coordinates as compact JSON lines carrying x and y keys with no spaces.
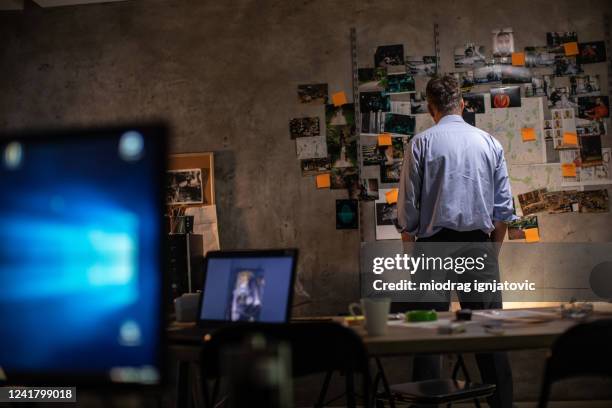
{"x":321,"y":347}
{"x":583,"y":350}
{"x":435,"y":392}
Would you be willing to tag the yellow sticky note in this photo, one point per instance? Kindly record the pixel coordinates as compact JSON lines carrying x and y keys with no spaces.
{"x":339,"y":98}
{"x":323,"y":180}
{"x":570,"y":48}
{"x":384,"y":139}
{"x":570,"y":138}
{"x":568,"y":170}
{"x":518,"y":58}
{"x":391,"y":196}
{"x":528,"y":134}
{"x":532,"y":235}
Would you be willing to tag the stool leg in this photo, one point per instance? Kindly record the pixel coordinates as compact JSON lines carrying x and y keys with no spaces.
{"x":321,"y":400}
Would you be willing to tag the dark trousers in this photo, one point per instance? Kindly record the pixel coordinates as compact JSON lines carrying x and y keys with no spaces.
{"x":494,"y":367}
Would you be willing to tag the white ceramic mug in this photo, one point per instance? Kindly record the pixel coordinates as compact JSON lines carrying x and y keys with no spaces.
{"x":375,"y":312}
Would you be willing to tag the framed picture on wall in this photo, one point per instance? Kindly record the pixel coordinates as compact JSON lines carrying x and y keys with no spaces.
{"x":189,"y":173}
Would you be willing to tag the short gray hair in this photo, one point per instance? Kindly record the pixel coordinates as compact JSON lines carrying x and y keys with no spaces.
{"x":444,"y":93}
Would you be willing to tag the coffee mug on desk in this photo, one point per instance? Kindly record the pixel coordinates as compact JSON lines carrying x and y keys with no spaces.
{"x":375,"y":312}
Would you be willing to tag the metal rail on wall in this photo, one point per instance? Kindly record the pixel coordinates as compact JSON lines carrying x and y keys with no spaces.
{"x":354,"y":67}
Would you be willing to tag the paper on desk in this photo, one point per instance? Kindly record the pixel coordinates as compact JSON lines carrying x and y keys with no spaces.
{"x":205,"y":224}
{"x":422,"y":325}
{"x":514,"y":314}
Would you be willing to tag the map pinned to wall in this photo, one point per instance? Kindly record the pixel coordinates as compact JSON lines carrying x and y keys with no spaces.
{"x":506,"y":124}
{"x":526,"y":178}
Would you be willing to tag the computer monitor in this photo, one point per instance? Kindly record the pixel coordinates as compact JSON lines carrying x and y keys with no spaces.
{"x":252,"y":286}
{"x":81,"y":249}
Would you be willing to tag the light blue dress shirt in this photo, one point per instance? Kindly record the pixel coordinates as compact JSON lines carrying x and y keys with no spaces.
{"x":453,"y":176}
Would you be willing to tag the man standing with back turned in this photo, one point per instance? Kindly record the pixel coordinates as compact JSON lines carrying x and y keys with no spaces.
{"x":454,"y":188}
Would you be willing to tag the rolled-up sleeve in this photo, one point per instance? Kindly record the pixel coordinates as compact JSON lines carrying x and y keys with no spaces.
{"x":503,"y":206}
{"x":409,"y":191}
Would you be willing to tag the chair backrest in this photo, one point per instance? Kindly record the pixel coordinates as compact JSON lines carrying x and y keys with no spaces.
{"x":583,"y":350}
{"x":315,"y":346}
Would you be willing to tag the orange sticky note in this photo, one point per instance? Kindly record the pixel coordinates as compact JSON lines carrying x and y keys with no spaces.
{"x":528,"y":134}
{"x":391,"y":196}
{"x":384,"y":139}
{"x":518,"y":58}
{"x":532,"y":235}
{"x":570,"y":138}
{"x":339,"y":98}
{"x":568,"y":170}
{"x":570,"y":48}
{"x":323,"y":180}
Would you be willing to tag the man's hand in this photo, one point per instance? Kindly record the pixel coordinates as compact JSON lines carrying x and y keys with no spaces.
{"x":406,"y":237}
{"x":498,"y":234}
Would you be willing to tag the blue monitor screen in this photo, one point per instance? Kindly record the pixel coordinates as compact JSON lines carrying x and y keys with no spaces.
{"x":254,"y":289}
{"x":80,"y":238}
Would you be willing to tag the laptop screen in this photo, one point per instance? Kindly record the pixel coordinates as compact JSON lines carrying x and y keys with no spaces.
{"x":248,"y":289}
{"x":80,"y":271}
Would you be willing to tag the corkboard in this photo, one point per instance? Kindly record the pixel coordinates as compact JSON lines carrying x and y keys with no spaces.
{"x":204,"y":161}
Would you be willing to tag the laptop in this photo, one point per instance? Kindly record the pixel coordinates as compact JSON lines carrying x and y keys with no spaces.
{"x":242,"y":287}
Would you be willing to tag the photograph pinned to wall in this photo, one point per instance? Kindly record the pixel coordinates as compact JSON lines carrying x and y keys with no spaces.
{"x":390,"y":173}
{"x":421,"y":65}
{"x":593,"y":107}
{"x":552,"y":154}
{"x":469,"y":55}
{"x":315,"y":94}
{"x":185,"y":186}
{"x":533,"y":201}
{"x":311,"y":167}
{"x":340,"y":115}
{"x":540,"y":85}
{"x":390,"y":57}
{"x":304,"y":127}
{"x":503,"y":42}
{"x":400,"y":83}
{"x":559,"y":98}
{"x":590,"y":150}
{"x":374,"y":102}
{"x":344,"y":178}
{"x":558,"y":202}
{"x":592,"y":52}
{"x":565,"y":65}
{"x":474,"y":102}
{"x":385,"y":217}
{"x":506,"y":97}
{"x":371,"y":155}
{"x":515,"y":75}
{"x":369,"y":189}
{"x":465,"y":79}
{"x":516,"y":229}
{"x":399,"y":124}
{"x":402,"y":107}
{"x":395,"y":151}
{"x":488,"y":74}
{"x":347,"y":214}
{"x":594,"y":201}
{"x":418,"y":103}
{"x":539,"y":57}
{"x":556,"y":39}
{"x":372,"y":79}
{"x":584,"y":85}
{"x":314,"y":147}
{"x":600,"y":173}
{"x":469,"y":117}
{"x":342,"y":146}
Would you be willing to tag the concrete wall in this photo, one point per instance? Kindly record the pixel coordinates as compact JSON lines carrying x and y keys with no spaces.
{"x":224,"y":74}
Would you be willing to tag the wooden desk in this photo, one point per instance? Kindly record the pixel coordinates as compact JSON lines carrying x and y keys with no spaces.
{"x":416,"y":340}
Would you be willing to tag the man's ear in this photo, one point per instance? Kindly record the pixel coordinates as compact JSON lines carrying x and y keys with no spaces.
{"x":462,"y":105}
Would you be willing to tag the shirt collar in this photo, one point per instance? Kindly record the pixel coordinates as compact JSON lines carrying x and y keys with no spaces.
{"x":450,"y":118}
